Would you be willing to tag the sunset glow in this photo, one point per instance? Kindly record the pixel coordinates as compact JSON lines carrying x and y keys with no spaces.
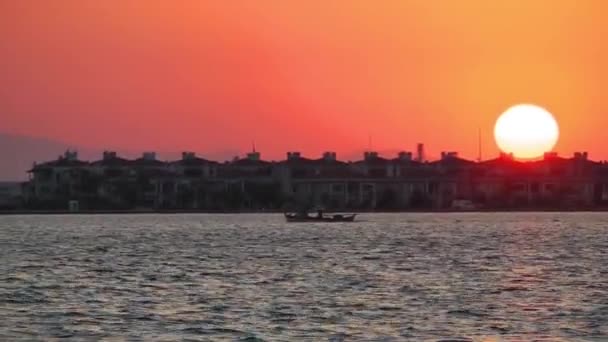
{"x":211,"y":76}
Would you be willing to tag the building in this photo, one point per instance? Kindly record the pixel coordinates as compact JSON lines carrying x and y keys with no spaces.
{"x":323,"y":181}
{"x":11,"y":195}
{"x":53,"y":184}
{"x":373,"y":183}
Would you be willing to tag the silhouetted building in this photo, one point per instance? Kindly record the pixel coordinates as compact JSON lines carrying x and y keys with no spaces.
{"x":374,"y":182}
{"x":11,"y":195}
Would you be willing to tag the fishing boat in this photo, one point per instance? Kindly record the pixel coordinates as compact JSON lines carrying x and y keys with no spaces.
{"x":319,"y":217}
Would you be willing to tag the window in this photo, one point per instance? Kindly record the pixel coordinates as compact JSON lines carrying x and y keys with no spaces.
{"x":377,"y":172}
{"x":113,"y":173}
{"x":298,"y":173}
{"x":193,"y":173}
{"x":519,"y":187}
{"x":535,"y":187}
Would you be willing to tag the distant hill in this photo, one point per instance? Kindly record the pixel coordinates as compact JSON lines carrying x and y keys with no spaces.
{"x":18,"y":153}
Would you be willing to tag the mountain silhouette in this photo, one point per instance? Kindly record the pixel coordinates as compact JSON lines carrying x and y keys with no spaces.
{"x":18,"y":153}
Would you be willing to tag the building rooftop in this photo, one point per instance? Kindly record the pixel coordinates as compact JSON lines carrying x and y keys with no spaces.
{"x":191,"y":159}
{"x":328,"y":158}
{"x":328,"y":164}
{"x":249,"y":162}
{"x":113,"y":161}
{"x":68,"y":159}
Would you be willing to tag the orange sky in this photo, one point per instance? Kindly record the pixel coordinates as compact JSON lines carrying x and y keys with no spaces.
{"x":308,"y":75}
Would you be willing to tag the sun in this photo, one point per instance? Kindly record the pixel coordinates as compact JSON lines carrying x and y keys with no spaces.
{"x":527,"y":131}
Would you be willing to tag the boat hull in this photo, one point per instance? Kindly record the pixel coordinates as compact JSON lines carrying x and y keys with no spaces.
{"x":329,"y":218}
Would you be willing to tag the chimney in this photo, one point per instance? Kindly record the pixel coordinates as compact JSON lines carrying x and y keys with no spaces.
{"x":188,"y":155}
{"x":506,"y":156}
{"x":581,"y":155}
{"x":293,"y":155}
{"x":71,"y":155}
{"x":370,"y":155}
{"x":449,"y":155}
{"x":253,"y":156}
{"x":420,"y":153}
{"x":405,"y":156}
{"x":149,"y":156}
{"x":329,"y":156}
{"x":550,"y":155}
{"x":109,"y":155}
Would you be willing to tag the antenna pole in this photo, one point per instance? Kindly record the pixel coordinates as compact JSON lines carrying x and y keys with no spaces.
{"x":479,"y":144}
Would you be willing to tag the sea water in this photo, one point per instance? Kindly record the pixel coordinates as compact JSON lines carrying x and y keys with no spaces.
{"x":387,"y":277}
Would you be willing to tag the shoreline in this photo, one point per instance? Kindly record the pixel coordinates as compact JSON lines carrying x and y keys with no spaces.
{"x":232,"y":212}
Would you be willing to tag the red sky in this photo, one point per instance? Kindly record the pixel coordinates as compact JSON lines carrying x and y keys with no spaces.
{"x":308,"y":75}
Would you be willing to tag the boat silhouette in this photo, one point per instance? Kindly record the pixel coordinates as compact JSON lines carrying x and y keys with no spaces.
{"x":319,"y":217}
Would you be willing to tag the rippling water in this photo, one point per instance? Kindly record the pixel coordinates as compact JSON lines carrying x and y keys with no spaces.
{"x":406,"y":277}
